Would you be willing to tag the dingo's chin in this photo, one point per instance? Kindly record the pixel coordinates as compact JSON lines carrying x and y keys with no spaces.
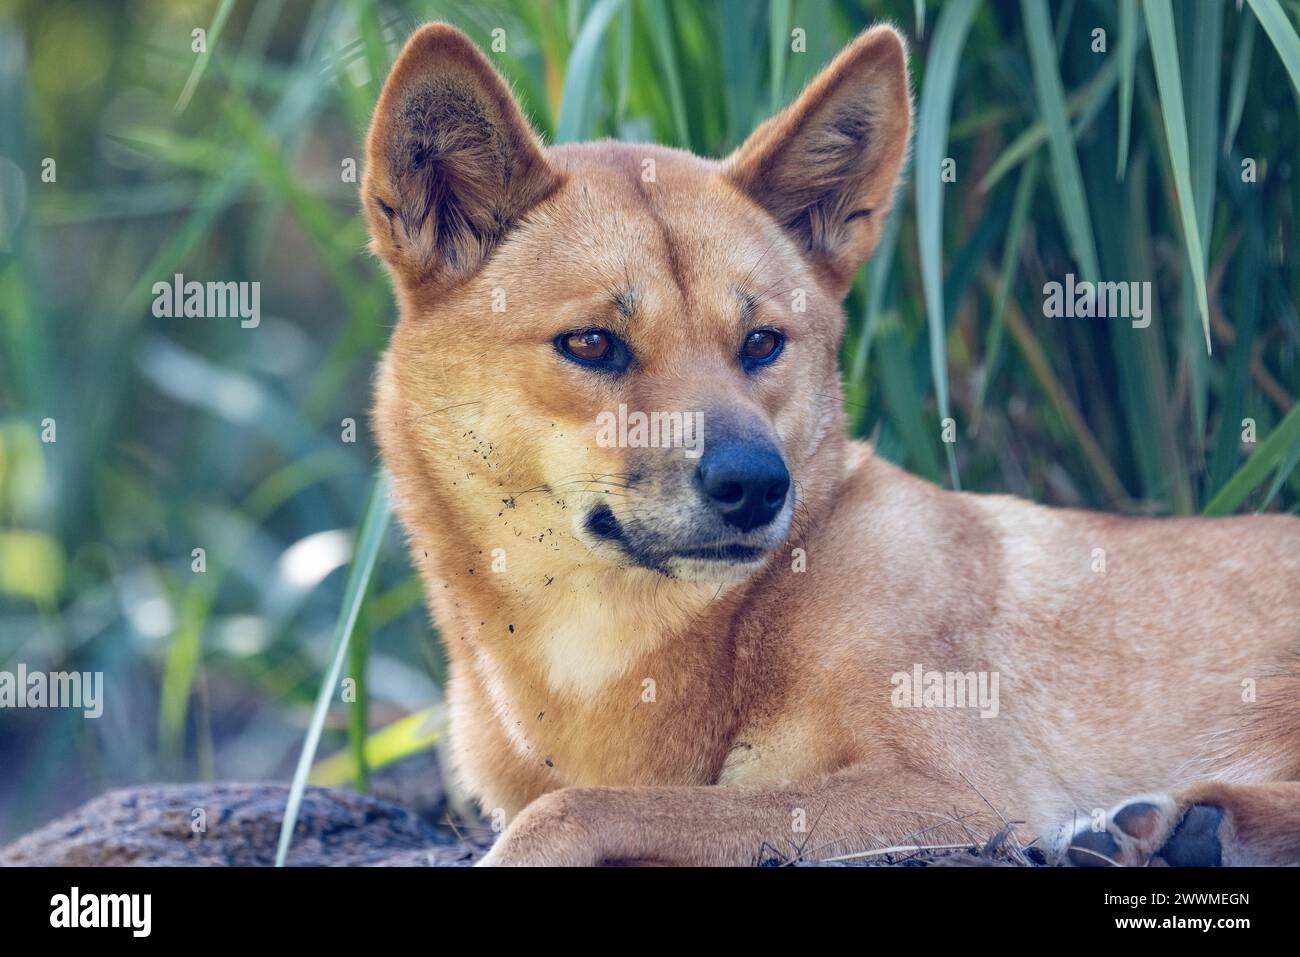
{"x":704,"y":556}
{"x":714,"y":570}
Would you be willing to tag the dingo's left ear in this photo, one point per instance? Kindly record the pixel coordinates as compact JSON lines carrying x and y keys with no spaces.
{"x":826,"y":167}
{"x":451,"y":163}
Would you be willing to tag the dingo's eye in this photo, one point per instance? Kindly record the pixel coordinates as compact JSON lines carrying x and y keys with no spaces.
{"x":597,"y":348}
{"x":761,"y":347}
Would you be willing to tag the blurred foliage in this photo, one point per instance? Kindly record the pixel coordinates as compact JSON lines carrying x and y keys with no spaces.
{"x":176,"y":434}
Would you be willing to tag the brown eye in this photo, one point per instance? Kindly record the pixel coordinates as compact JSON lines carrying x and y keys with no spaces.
{"x":761,"y":346}
{"x":597,"y":348}
{"x":592,"y":346}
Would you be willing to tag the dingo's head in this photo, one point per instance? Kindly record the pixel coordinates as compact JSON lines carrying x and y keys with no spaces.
{"x":625,"y":354}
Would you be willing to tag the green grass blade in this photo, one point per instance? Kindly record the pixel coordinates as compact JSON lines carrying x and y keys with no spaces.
{"x":778,"y":48}
{"x":661,"y":33}
{"x":878,"y":280}
{"x":1250,"y":262}
{"x":1202,"y":81}
{"x":918,"y":6}
{"x":1282,"y":34}
{"x":1241,"y":60}
{"x":1147,"y":405}
{"x":950,"y":32}
{"x":402,"y":738}
{"x":1085,"y":103}
{"x":334,"y":238}
{"x":582,"y":76}
{"x":359,"y":713}
{"x":1067,"y":179}
{"x":903,"y":403}
{"x":742,"y":66}
{"x":1281,"y":443}
{"x":185,"y":651}
{"x":201,"y":61}
{"x":1283,"y":473}
{"x":1129,"y":26}
{"x":372,"y":43}
{"x":1007,"y":274}
{"x":1040,"y":367}
{"x":1164,"y":53}
{"x":626,"y":34}
{"x":370,"y":537}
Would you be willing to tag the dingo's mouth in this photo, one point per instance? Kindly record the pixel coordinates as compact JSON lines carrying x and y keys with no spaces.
{"x":603,"y":525}
{"x":722,"y":553}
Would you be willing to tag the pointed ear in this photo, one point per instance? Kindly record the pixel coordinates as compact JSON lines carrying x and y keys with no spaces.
{"x":451,"y":163}
{"x":826,"y":167}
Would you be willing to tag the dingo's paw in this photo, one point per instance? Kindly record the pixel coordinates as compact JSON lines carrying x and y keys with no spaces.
{"x":551,"y":831}
{"x":1154,"y":830}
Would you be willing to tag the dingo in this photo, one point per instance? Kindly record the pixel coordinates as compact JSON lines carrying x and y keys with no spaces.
{"x":629,"y":626}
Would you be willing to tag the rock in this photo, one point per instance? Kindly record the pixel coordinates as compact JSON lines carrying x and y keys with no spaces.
{"x":156,"y":825}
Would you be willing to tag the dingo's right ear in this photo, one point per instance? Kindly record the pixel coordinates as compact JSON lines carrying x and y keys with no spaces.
{"x":451,"y":163}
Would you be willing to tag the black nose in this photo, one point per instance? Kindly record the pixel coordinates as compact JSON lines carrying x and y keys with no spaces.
{"x":746,"y":484}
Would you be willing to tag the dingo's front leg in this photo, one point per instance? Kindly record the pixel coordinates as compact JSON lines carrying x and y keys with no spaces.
{"x":847,"y":812}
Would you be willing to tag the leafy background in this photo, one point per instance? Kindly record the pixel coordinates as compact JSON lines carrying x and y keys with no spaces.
{"x":174,"y":434}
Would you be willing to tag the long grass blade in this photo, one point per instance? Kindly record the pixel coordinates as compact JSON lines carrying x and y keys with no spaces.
{"x":1007,"y":274}
{"x":1164,"y":53}
{"x":626,"y":35}
{"x":1084,"y":103}
{"x":1065,"y":164}
{"x":359,"y":713}
{"x":878,"y":272}
{"x":903,"y":401}
{"x":1282,"y":34}
{"x":1129,"y":26}
{"x":369,"y":538}
{"x":1251,"y":261}
{"x":1283,"y":473}
{"x":742,"y":65}
{"x":662,"y":34}
{"x":201,"y":61}
{"x":582,"y":75}
{"x":778,"y":48}
{"x":950,"y":32}
{"x":1281,"y":443}
{"x":1202,"y":82}
{"x":1040,"y":368}
{"x":1241,"y":60}
{"x":1147,"y":404}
